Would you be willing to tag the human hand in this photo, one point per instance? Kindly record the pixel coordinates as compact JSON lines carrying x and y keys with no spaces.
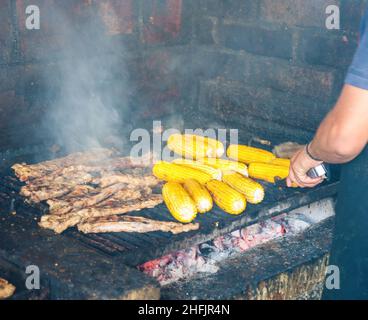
{"x":301,"y":163}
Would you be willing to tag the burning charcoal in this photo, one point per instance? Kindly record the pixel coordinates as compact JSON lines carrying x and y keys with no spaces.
{"x":219,"y":242}
{"x":236,"y":233}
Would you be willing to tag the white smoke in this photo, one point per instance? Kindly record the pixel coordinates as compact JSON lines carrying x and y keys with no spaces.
{"x":92,"y":86}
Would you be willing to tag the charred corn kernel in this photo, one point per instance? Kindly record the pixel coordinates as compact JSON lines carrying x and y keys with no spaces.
{"x":179,"y":202}
{"x":199,"y":165}
{"x":253,"y":191}
{"x":227,"y":165}
{"x":174,"y":172}
{"x":268,"y":172}
{"x":281,"y":162}
{"x":195,"y":147}
{"x":199,"y":194}
{"x":249,"y":154}
{"x":227,"y":198}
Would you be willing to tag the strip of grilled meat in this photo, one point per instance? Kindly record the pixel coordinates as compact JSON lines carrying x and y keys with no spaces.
{"x":137,"y":180}
{"x":119,"y":191}
{"x":26,"y":172}
{"x":37,"y":194}
{"x":59,"y":223}
{"x":133,"y":224}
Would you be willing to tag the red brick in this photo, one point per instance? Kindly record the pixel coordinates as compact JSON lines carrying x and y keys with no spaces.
{"x":162,"y":20}
{"x":258,"y":40}
{"x":117,"y":16}
{"x":160,"y":87}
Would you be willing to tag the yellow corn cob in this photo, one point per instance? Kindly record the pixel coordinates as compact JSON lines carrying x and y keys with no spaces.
{"x":228,"y":199}
{"x":218,"y":145}
{"x":199,"y":165}
{"x":281,"y":162}
{"x":179,"y":202}
{"x":174,"y":172}
{"x":195,"y":147}
{"x":253,"y":191}
{"x":199,"y":194}
{"x":227,"y":165}
{"x":249,"y":154}
{"x":284,"y":163}
{"x":268,"y":172}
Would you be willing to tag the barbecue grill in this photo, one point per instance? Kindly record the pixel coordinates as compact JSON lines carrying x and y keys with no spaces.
{"x":61,"y":257}
{"x":190,"y":64}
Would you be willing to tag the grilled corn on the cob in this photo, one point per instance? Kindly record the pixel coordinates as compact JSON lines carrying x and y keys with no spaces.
{"x":174,"y":172}
{"x":228,"y":199}
{"x":249,"y":154}
{"x":179,"y":202}
{"x":253,"y":191}
{"x":218,"y":145}
{"x":195,"y":147}
{"x":268,"y":171}
{"x":281,"y":162}
{"x":199,"y":165}
{"x":227,"y":165}
{"x":199,"y":194}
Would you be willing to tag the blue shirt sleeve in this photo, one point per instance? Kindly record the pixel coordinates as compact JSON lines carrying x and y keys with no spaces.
{"x":358,"y":72}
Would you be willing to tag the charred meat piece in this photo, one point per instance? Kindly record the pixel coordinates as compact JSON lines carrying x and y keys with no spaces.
{"x":132,"y":180}
{"x":92,"y":161}
{"x":6,"y":289}
{"x":25,"y":172}
{"x":85,"y":202}
{"x":38,"y":194}
{"x":60,"y":223}
{"x":133,"y":224}
{"x":79,"y":192}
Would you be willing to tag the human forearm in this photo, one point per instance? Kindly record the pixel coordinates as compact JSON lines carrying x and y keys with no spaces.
{"x":331,"y":144}
{"x":344,"y":132}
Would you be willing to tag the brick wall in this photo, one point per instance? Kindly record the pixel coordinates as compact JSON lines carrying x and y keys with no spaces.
{"x":265,"y":66}
{"x":271,"y":66}
{"x":151,"y":38}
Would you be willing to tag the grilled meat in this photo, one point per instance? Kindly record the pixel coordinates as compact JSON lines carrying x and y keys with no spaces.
{"x":37,"y":194}
{"x":6,"y":289}
{"x":91,"y":185}
{"x":108,"y":180}
{"x":133,"y":224}
{"x":25,"y":172}
{"x":79,"y":192}
{"x":85,"y":202}
{"x":60,"y":223}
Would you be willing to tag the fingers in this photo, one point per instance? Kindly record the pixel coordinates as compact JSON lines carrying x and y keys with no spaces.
{"x":290,"y":180}
{"x":302,"y":180}
{"x":298,"y":172}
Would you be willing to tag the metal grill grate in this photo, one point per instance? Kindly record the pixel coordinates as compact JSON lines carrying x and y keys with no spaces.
{"x":135,"y":248}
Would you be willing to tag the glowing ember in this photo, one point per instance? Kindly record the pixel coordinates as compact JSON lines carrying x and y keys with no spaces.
{"x":205,"y":257}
